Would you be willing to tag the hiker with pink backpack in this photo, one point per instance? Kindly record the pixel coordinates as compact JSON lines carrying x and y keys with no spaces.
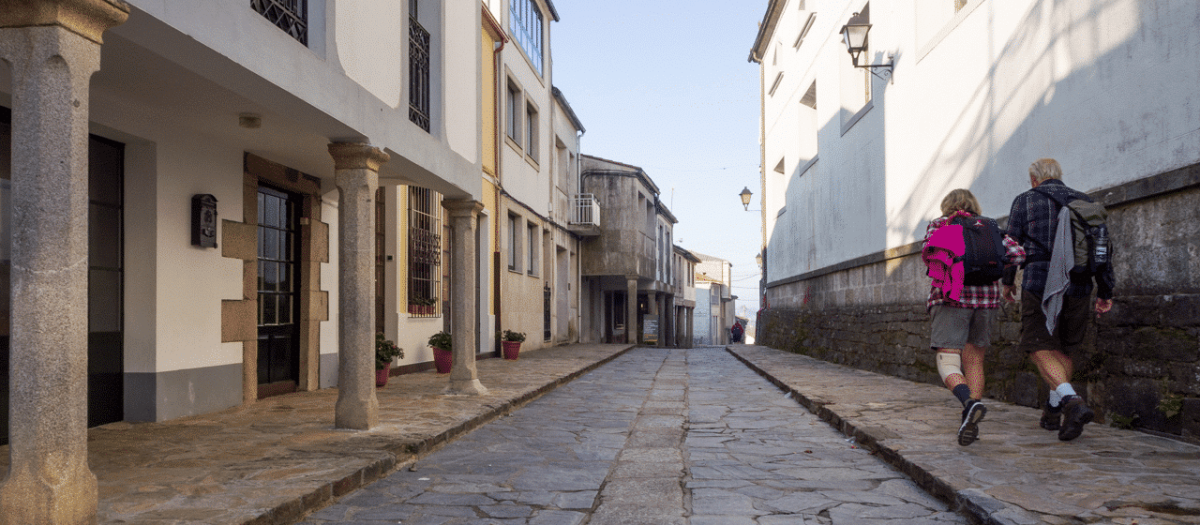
{"x":966,"y":255}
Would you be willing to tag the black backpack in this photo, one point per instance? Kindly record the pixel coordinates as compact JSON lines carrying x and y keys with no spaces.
{"x":1092,"y":253}
{"x":983,"y":259}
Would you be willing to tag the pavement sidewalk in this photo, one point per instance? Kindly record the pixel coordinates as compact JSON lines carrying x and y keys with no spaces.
{"x":275,"y":460}
{"x":1017,"y":473}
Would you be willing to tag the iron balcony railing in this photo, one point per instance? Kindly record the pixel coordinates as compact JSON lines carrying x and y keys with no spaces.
{"x":418,"y":74}
{"x":289,"y":15}
{"x":586,"y":210}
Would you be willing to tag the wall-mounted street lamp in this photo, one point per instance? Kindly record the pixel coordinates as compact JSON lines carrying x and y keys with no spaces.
{"x":745,"y":195}
{"x":854,"y":34}
{"x":758,"y":259}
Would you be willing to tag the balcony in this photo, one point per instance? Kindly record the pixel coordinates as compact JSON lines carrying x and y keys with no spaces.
{"x":585,"y":215}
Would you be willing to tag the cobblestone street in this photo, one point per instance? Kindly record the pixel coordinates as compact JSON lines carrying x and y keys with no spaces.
{"x":654,"y":437}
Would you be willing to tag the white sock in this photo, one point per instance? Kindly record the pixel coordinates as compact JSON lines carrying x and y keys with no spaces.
{"x":1055,"y":399}
{"x":1065,"y":390}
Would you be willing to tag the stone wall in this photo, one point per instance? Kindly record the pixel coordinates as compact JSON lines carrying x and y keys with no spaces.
{"x":1139,"y":365}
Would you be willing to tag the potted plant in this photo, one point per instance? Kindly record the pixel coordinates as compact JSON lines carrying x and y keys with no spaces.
{"x":443,"y":356}
{"x":511,"y":342}
{"x":385,"y":352}
{"x":422,"y":305}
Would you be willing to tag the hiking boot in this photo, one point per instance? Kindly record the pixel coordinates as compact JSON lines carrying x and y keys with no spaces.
{"x":968,"y":432}
{"x":1076,"y":414}
{"x":1050,"y":418}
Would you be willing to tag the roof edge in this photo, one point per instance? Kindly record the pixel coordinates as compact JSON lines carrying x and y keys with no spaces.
{"x":562,"y":99}
{"x":765,"y":29}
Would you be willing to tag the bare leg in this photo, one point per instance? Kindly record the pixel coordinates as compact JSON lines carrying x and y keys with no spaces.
{"x":972,"y":359}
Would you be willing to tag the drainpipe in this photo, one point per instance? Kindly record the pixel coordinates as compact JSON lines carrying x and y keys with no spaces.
{"x":497,"y":143}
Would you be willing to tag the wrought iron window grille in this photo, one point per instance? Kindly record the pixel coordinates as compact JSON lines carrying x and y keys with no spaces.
{"x":424,"y":252}
{"x":418,"y":74}
{"x":289,"y":15}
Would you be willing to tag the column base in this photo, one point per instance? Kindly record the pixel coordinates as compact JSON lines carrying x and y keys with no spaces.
{"x":467,"y":387}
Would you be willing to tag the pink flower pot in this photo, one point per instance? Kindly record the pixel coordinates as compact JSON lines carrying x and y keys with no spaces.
{"x":381,"y":376}
{"x":511,"y":349}
{"x":442,"y":360}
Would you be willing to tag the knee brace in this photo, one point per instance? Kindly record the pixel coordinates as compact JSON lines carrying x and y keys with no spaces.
{"x":949,"y":364}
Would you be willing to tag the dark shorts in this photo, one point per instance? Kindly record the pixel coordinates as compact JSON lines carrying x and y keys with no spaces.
{"x":1072,"y":324}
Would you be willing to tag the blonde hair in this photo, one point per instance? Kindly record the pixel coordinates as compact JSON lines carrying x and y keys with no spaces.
{"x":1044,"y":169}
{"x":960,"y":199}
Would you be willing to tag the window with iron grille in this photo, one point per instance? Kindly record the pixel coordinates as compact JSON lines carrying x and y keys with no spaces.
{"x":418,"y":70}
{"x":424,"y":251}
{"x":289,"y":15}
{"x":525,"y":23}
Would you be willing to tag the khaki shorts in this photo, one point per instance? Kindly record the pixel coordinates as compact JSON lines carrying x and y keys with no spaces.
{"x":955,"y":327}
{"x":1072,"y":324}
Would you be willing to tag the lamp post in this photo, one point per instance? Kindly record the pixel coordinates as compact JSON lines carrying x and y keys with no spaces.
{"x":854,"y":34}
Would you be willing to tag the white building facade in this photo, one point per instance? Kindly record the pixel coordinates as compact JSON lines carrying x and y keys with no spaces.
{"x":236,"y":150}
{"x":856,"y":164}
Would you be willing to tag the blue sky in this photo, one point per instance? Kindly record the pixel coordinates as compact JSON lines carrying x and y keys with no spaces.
{"x":665,"y":85}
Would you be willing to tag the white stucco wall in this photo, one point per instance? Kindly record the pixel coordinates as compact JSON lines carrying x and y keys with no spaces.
{"x":1107,"y":88}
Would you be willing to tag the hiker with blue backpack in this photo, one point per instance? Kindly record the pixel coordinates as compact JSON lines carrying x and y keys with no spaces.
{"x":966,"y":255}
{"x":1066,"y":238}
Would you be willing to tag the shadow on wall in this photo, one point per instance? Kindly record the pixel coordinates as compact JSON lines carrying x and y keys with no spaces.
{"x":1068,"y":84}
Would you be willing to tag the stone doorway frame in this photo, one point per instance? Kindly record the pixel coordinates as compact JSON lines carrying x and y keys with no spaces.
{"x":239,"y":318}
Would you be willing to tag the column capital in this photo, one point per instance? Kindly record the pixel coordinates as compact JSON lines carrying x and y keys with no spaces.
{"x":86,"y":18}
{"x":356,"y":155}
{"x":461,"y":207}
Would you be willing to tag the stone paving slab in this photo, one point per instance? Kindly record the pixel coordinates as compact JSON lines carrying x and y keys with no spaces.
{"x":275,"y":460}
{"x":1017,"y":473}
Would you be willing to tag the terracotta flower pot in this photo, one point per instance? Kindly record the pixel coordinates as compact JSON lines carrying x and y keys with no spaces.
{"x":381,"y":376}
{"x":442,"y":360}
{"x":511,"y":349}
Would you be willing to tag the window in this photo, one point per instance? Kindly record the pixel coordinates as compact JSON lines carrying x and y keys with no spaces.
{"x":531,"y":127}
{"x":525,"y":23}
{"x":424,"y":251}
{"x":808,"y":127}
{"x":513,"y":124}
{"x":937,"y":18}
{"x":418,"y":69}
{"x":289,"y":15}
{"x":532,"y":241}
{"x":812,"y":17}
{"x":513,"y":243}
{"x":775,"y":85}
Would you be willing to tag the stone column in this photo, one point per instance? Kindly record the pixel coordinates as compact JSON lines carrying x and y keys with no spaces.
{"x":464,"y":378}
{"x":631,"y":310}
{"x":53,"y":48}
{"x":691,"y":316}
{"x":356,"y":174}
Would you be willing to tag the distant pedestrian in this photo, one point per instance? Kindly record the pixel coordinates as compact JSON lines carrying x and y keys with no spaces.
{"x":966,"y":254}
{"x":1036,"y":222}
{"x":736,"y":332}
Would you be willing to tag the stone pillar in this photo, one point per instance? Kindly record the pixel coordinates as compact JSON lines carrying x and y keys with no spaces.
{"x":356,"y":168}
{"x":53,"y":48}
{"x":631,"y":285}
{"x":464,"y":378}
{"x":691,"y":339}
